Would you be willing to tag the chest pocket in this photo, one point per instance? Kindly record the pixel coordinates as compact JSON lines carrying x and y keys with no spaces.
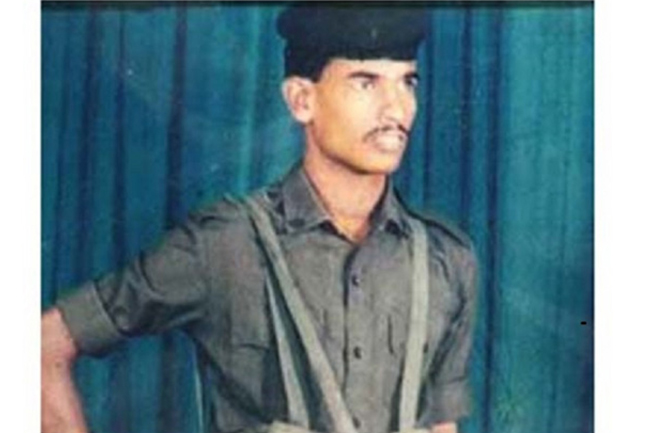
{"x":250,"y":321}
{"x":249,"y":351}
{"x":394,"y":334}
{"x":250,"y":332}
{"x":248,"y":311}
{"x":249,"y":358}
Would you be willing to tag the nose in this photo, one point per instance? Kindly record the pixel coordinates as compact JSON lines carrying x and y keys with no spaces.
{"x":396,"y":105}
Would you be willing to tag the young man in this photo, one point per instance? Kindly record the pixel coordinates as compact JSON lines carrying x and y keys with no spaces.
{"x":320,"y":303}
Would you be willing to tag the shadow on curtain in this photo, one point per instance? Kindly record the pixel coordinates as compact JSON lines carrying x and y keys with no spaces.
{"x":151,"y":111}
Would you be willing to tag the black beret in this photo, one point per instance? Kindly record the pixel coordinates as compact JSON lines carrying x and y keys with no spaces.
{"x":317,"y":32}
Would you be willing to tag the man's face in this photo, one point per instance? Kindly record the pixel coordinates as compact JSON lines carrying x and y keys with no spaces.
{"x":362,"y":114}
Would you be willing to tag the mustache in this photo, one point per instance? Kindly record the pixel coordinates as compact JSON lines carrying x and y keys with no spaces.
{"x":387,"y":128}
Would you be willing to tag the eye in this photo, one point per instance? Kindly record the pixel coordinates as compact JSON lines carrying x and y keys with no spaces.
{"x":366,"y":83}
{"x":363,"y":81}
{"x":411,"y":82}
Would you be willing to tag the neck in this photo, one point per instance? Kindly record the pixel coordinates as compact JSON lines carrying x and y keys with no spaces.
{"x":348,"y":197}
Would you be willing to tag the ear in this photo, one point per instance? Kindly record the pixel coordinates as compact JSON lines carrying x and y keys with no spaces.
{"x":298,"y":94}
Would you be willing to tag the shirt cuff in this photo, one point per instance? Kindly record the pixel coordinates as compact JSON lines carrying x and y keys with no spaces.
{"x":91,"y":327}
{"x":446,"y":403}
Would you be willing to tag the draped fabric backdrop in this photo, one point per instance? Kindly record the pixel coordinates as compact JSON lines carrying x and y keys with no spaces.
{"x":151,"y":111}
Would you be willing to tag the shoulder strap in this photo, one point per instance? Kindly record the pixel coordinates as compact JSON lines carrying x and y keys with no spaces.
{"x":411,"y":378}
{"x":442,"y":223}
{"x":296,"y":400}
{"x":314,"y":350}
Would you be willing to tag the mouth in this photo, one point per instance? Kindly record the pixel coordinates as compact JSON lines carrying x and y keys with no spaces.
{"x":390,"y":141}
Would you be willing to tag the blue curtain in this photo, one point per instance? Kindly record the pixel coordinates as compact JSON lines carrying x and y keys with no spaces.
{"x":150,"y":111}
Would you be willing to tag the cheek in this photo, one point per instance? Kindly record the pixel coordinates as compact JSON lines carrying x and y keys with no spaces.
{"x":351,"y":119}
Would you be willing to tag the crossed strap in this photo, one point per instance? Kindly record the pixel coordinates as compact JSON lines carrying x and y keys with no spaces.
{"x":283,"y":292}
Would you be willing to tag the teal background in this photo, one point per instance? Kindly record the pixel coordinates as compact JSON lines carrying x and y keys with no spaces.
{"x":150,"y":111}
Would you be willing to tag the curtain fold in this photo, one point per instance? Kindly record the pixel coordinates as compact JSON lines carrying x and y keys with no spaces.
{"x":150,"y":111}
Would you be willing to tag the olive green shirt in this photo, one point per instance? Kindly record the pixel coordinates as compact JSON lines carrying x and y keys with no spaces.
{"x":207,"y":278}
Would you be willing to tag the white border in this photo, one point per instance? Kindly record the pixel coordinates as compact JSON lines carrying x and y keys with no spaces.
{"x":20,"y":193}
{"x":622,"y":217}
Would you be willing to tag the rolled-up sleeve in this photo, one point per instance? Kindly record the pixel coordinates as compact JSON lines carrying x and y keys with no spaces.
{"x":446,"y":389}
{"x":160,"y":289}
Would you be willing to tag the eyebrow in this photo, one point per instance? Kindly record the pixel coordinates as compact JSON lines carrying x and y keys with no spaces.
{"x":363,"y":74}
{"x":374,"y":76}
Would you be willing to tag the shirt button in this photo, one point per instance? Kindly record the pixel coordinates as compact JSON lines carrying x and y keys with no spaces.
{"x":357,"y":352}
{"x":356,"y":280}
{"x":356,"y":421}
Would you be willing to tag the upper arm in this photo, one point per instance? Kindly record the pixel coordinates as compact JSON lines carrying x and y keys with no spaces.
{"x":160,"y":289}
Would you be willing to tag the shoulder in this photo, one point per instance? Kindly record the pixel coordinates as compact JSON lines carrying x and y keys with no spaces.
{"x":227,"y":209}
{"x":229,"y":217}
{"x":222,"y":223}
{"x":442,"y":228}
{"x":227,"y":239}
{"x":229,"y":212}
{"x":445,"y":237}
{"x":232,"y":209}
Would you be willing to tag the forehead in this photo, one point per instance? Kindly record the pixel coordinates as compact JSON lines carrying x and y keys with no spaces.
{"x":387,"y":68}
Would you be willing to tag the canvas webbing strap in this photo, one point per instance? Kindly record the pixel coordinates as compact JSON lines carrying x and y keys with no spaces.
{"x":417,"y":333}
{"x":314,"y":350}
{"x":296,"y":402}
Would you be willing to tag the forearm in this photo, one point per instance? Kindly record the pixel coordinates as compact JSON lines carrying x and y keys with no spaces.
{"x":61,"y":410}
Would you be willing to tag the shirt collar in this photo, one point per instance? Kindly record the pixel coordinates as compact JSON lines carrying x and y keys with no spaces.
{"x":302,"y":207}
{"x":304,"y":210}
{"x":390,"y":213}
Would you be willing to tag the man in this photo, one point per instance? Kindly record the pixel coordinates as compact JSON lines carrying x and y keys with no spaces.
{"x":320,"y":303}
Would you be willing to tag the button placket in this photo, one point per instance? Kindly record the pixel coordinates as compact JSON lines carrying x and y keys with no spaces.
{"x":358,"y":329}
{"x":355,"y":287}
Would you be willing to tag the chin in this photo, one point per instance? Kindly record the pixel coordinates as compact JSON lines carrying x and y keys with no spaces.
{"x":383,"y":167}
